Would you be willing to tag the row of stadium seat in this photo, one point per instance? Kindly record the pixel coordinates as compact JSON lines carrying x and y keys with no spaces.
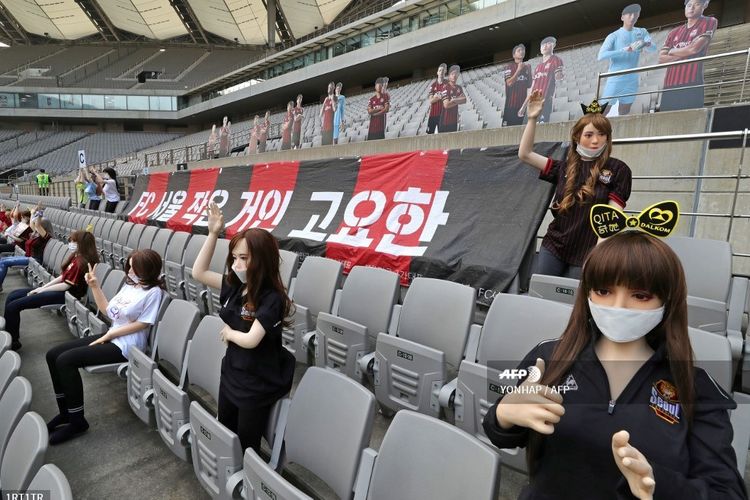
{"x":23,"y":435}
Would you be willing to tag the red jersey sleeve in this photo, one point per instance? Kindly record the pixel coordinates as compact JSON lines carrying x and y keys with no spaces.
{"x":73,"y":274}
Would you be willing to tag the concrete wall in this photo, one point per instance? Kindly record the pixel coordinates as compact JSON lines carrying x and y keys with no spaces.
{"x":673,"y":159}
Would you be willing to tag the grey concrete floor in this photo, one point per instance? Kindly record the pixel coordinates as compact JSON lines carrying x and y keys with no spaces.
{"x":120,"y":457}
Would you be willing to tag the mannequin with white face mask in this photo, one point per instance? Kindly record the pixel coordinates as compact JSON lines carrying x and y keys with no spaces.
{"x":587,"y":175}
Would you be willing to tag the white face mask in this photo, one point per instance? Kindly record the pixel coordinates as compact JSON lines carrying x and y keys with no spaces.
{"x":241,"y":274}
{"x":590,"y":153}
{"x":135,"y":279}
{"x":625,"y":325}
{"x":73,"y":246}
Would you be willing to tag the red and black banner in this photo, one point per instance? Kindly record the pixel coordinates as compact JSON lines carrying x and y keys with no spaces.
{"x":465,"y":215}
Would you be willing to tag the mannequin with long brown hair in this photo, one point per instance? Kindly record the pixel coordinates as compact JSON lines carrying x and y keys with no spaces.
{"x":589,"y":175}
{"x":616,"y":408}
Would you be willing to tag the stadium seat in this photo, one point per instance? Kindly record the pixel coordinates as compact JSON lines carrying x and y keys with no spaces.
{"x":513,"y":326}
{"x":716,"y":299}
{"x":99,"y":322}
{"x":77,"y":324}
{"x":327,"y":427}
{"x":554,"y":288}
{"x":10,"y":364}
{"x":362,"y":309}
{"x":5,"y":341}
{"x":51,"y":479}
{"x":173,"y":266}
{"x":202,"y":368}
{"x":422,"y":458}
{"x":24,"y":453}
{"x":287,"y":267}
{"x":159,"y":243}
{"x":208,"y":299}
{"x":172,"y":334}
{"x":131,"y":242}
{"x":313,"y":291}
{"x":410,"y":368}
{"x":14,"y":403}
{"x":108,"y":240}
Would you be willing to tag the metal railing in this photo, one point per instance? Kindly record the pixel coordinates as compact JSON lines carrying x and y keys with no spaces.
{"x":742,"y":81}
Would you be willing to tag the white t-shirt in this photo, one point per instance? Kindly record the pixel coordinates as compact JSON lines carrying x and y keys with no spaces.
{"x":110,"y":190}
{"x":133,"y":303}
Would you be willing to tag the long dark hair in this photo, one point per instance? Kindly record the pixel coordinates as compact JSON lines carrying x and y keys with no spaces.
{"x":86,"y":252}
{"x":262,"y":270}
{"x":641,"y":262}
{"x":112,"y":175}
{"x":146,"y":264}
{"x":573,"y":162}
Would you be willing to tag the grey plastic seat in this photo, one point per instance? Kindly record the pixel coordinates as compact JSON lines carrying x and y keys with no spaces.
{"x":261,"y":481}
{"x":716,"y":299}
{"x":513,"y":326}
{"x":122,"y":250}
{"x":422,"y":458}
{"x":172,"y":334}
{"x":77,"y":324}
{"x":173,"y":266}
{"x":10,"y":364}
{"x":160,"y":243}
{"x":209,"y":298}
{"x":15,"y":401}
{"x":362,"y":309}
{"x":287,"y":267}
{"x":109,"y":239}
{"x":24,"y":453}
{"x":410,"y":368}
{"x":146,"y":240}
{"x":554,"y":288}
{"x":5,"y":341}
{"x":119,"y":242}
{"x":713,"y":353}
{"x":203,"y":369}
{"x":313,"y":291}
{"x":50,"y":478}
{"x":327,"y":427}
{"x":192,"y":288}
{"x":98,"y":322}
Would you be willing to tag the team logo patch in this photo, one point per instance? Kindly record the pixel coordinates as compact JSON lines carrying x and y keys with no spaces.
{"x":665,"y":402}
{"x":605,"y":176}
{"x":247,"y":314}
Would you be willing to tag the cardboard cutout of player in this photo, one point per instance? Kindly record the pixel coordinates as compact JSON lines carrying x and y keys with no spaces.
{"x":226,"y":129}
{"x":286,"y":127}
{"x":377,"y":108}
{"x":211,"y":146}
{"x":546,"y":75}
{"x":327,"y":111}
{"x":435,"y":97}
{"x":299,"y":113}
{"x":339,"y":125}
{"x":623,"y":49}
{"x":252,"y":146}
{"x":517,"y":77}
{"x":263,"y":135}
{"x":454,"y":96}
{"x":683,"y":43}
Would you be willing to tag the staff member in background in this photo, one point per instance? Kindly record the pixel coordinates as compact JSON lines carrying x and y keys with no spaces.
{"x":589,"y":175}
{"x":133,"y":310}
{"x":82,"y":246}
{"x":108,"y":183}
{"x":257,"y":370}
{"x":339,"y":124}
{"x":377,"y":108}
{"x":452,"y":98}
{"x":82,"y":198}
{"x":93,"y":190}
{"x":517,"y":77}
{"x":617,"y":407}
{"x":43,"y":181}
{"x":435,"y":98}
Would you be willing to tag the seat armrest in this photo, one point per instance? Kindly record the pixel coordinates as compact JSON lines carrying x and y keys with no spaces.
{"x":364,"y":473}
{"x":447,"y":393}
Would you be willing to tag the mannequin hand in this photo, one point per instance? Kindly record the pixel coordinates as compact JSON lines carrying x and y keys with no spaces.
{"x":634,"y":466}
{"x":531,"y":405}
{"x":215,"y":218}
{"x":535,"y":105}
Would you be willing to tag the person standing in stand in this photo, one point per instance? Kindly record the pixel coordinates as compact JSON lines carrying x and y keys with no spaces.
{"x":435,"y":97}
{"x":226,"y":130}
{"x":453,"y":97}
{"x":286,"y":127}
{"x":327,"y":111}
{"x":252,"y":146}
{"x":297,"y":130}
{"x":377,"y":108}
{"x":211,"y":145}
{"x":683,"y":43}
{"x":338,"y":118}
{"x":517,"y":76}
{"x":263,"y":134}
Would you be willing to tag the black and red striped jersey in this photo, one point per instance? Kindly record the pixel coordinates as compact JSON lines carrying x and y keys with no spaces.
{"x":515,"y":93}
{"x":682,"y":75}
{"x":544,"y":75}
{"x":437,"y":89}
{"x":450,"y":115}
{"x":377,"y":103}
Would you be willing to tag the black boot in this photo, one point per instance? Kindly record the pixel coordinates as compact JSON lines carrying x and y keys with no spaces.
{"x":77,"y":425}
{"x":62,"y":417}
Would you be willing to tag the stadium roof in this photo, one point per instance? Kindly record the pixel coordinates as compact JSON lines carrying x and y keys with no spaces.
{"x":241,"y":21}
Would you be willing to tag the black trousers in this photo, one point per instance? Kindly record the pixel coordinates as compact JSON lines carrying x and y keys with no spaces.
{"x":65,"y":359}
{"x":111,"y":206}
{"x":432,"y":124}
{"x":248,"y":423}
{"x":94,"y":204}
